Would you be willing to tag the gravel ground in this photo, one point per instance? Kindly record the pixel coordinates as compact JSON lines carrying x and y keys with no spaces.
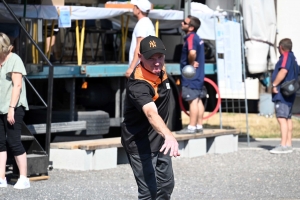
{"x":246,"y":174}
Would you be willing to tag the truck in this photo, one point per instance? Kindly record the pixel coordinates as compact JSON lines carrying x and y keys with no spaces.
{"x":87,"y":99}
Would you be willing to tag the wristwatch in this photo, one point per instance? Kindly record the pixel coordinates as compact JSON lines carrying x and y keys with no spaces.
{"x":274,"y":85}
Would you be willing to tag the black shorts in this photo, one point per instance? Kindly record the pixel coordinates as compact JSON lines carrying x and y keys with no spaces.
{"x":11,"y":134}
{"x":282,"y":110}
{"x":189,"y":94}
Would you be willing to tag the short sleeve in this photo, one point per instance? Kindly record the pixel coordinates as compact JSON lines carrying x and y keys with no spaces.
{"x":15,"y":64}
{"x":19,"y":66}
{"x":140,"y":93}
{"x":143,"y":28}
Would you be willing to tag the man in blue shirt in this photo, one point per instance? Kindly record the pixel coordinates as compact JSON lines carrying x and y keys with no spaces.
{"x":193,"y":90}
{"x":286,"y":69}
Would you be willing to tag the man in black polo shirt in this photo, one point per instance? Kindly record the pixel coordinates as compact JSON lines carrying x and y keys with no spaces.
{"x":148,"y":142}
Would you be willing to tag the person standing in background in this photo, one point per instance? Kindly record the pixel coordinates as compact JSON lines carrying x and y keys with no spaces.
{"x":13,"y":104}
{"x":142,"y":29}
{"x":284,"y":71}
{"x":50,"y":43}
{"x":193,"y":90}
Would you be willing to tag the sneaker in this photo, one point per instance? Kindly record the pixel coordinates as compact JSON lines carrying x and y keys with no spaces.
{"x":289,"y":149}
{"x":22,"y":183}
{"x":199,"y":130}
{"x":186,"y":131}
{"x":280,"y":149}
{"x":3,"y":183}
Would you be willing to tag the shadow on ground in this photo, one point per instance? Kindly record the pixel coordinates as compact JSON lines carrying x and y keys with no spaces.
{"x":263,"y":144}
{"x":267,"y":147}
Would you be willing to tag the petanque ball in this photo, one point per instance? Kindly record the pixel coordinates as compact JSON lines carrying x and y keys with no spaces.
{"x":188,"y":71}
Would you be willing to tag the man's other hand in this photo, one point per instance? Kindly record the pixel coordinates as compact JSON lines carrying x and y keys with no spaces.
{"x":275,"y":90}
{"x":195,"y":64}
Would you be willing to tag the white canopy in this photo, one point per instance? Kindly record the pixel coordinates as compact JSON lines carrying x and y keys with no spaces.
{"x":82,"y":12}
{"x":168,"y":19}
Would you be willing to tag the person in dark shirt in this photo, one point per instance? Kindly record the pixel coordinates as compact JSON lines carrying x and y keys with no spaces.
{"x":193,"y":90}
{"x":148,"y":142}
{"x":286,"y":69}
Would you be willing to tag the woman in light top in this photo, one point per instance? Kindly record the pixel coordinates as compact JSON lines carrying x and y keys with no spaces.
{"x":13,"y":104}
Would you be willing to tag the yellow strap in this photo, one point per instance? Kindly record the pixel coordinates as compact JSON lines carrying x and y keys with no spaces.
{"x":156,"y":28}
{"x":77,"y":40}
{"x":33,"y":47}
{"x":81,"y":42}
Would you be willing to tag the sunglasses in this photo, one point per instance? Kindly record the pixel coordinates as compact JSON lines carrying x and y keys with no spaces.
{"x":184,"y":23}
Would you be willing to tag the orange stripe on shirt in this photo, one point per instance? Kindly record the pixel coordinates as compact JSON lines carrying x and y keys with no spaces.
{"x":190,"y":41}
{"x":154,"y":80}
{"x":285,"y":57}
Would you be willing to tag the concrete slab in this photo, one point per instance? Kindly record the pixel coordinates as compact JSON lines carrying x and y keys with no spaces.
{"x":181,"y":146}
{"x":75,"y":159}
{"x":107,"y":153}
{"x":105,"y":158}
{"x":222,"y":144}
{"x":235,"y":142}
{"x":210,"y":145}
{"x":192,"y":147}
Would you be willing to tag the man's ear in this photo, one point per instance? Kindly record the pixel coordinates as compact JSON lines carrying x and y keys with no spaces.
{"x":139,"y":55}
{"x":191,"y":28}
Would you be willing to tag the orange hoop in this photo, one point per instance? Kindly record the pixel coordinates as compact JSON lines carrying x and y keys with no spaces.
{"x":218,"y":102}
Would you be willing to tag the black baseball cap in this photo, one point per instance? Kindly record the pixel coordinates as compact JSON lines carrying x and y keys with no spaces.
{"x":151,"y":45}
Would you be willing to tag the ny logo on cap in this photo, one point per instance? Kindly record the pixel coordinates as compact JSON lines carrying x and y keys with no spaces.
{"x":152,"y":44}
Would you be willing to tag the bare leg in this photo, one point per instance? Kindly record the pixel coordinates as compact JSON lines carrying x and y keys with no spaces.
{"x":47,"y":45}
{"x":200,"y":112}
{"x":290,"y":132}
{"x":53,"y":49}
{"x":3,"y":158}
{"x":193,"y":111}
{"x":284,"y":130}
{"x":22,"y":164}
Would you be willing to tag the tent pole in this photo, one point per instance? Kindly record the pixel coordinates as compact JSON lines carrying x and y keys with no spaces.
{"x":187,"y":8}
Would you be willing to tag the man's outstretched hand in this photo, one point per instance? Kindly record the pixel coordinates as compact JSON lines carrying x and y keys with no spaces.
{"x":171,"y":145}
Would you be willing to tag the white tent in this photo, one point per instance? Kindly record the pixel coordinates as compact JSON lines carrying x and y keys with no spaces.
{"x":260,"y":33}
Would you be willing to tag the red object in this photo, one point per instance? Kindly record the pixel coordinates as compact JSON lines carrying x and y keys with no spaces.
{"x":218,"y":102}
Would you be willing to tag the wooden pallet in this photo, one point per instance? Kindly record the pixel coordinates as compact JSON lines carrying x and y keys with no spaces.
{"x":35,"y":178}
